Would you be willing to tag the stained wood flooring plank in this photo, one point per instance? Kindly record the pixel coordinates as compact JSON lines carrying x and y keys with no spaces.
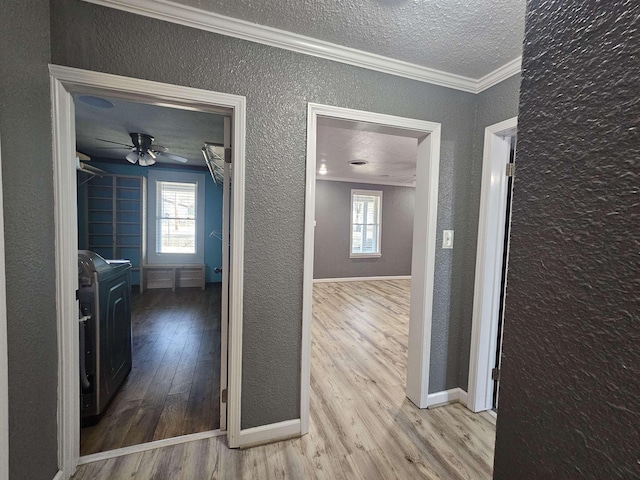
{"x":201,"y":460}
{"x":198,"y":416}
{"x":170,"y":423}
{"x":169,"y":331}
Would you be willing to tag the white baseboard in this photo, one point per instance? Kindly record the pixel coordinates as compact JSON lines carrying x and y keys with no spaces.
{"x":362,"y":279}
{"x":447,"y":396}
{"x":59,"y":475}
{"x":119,"y":452}
{"x":273,"y":432}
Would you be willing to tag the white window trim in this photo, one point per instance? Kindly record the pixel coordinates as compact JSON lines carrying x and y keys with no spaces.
{"x":153,"y":257}
{"x":377,"y":193}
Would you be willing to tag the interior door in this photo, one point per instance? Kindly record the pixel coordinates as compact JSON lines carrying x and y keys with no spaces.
{"x":226,"y":273}
{"x":503,"y":285}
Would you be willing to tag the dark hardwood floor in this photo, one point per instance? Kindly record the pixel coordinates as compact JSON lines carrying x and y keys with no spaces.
{"x":174,"y":386}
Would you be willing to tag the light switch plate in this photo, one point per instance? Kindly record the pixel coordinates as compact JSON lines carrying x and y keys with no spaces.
{"x":447,"y":239}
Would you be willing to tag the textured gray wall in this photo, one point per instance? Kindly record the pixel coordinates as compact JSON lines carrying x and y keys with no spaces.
{"x":494,"y":105}
{"x":332,"y":233}
{"x":278,"y":84}
{"x":569,"y":405}
{"x":25,"y":130}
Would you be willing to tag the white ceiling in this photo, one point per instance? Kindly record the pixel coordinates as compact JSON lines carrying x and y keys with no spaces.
{"x":462,"y":37}
{"x":390,"y":153}
{"x":183,"y":132}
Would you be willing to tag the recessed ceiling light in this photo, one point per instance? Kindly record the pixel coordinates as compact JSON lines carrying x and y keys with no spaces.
{"x":358,"y":162}
{"x":323,"y":169}
{"x":95,"y":101}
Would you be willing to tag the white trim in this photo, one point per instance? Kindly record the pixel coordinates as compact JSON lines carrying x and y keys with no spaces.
{"x":489,"y":254}
{"x":498,"y":75}
{"x":423,"y":268}
{"x":424,"y":247}
{"x":58,"y":476}
{"x":274,"y":432}
{"x":4,"y":360}
{"x":143,"y":447}
{"x":64,"y":82}
{"x":454,"y":395}
{"x":213,"y":22}
{"x":366,"y":182}
{"x":226,"y":259}
{"x":362,"y":279}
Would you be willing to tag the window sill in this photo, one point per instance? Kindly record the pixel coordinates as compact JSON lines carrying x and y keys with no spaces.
{"x":365,"y":255}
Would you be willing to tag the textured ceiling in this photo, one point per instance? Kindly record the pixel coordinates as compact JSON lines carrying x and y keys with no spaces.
{"x":469,"y":38}
{"x":391,"y":157}
{"x":183,"y":132}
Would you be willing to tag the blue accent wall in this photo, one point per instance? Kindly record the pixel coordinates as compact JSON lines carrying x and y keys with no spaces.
{"x":213,"y":213}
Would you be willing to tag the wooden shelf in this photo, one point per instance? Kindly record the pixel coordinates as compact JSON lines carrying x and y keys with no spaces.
{"x":111,"y":193}
{"x":172,"y":276}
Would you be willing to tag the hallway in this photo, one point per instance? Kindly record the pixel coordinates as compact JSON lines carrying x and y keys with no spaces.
{"x":362,"y":426}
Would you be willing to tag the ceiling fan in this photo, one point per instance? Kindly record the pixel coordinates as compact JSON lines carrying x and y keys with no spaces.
{"x":143,"y":151}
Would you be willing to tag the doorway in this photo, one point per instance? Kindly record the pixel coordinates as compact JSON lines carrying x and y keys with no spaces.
{"x":423,"y":251}
{"x":491,"y":265}
{"x":65,"y":83}
{"x":147,"y":195}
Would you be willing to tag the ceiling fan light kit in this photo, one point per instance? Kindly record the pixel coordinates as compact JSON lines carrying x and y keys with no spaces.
{"x":143,"y":152}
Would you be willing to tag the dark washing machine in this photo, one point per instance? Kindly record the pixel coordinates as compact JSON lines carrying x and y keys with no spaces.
{"x":105,"y":331}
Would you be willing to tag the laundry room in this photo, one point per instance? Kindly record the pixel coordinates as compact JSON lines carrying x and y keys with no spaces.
{"x":150,"y":211}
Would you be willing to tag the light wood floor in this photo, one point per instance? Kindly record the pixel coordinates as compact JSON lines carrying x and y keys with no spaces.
{"x":173,"y":387}
{"x":362,"y":426}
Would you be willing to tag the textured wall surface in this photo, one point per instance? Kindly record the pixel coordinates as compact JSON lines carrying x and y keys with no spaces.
{"x":569,"y":404}
{"x":494,"y":105}
{"x":278,"y":84}
{"x":460,"y":39}
{"x":25,"y":129}
{"x":333,"y":229}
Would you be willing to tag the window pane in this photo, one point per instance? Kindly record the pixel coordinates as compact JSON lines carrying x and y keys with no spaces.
{"x":370,"y":242}
{"x":176,"y":217}
{"x":357,"y":239}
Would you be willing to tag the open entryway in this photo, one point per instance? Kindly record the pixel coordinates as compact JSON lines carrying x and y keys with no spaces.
{"x":362,"y":238}
{"x":134,"y":199}
{"x":491,"y":265}
{"x":152,"y":271}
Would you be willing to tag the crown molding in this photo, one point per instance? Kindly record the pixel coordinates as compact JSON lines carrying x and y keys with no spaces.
{"x":212,"y":22}
{"x":499,"y":74}
{"x":364,"y":182}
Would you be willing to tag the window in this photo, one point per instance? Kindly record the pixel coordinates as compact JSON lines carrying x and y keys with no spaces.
{"x":366,"y":223}
{"x":175,"y":217}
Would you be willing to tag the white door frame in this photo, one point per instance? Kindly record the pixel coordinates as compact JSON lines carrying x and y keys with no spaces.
{"x":424,"y":245}
{"x":66,"y":81}
{"x":4,"y":360}
{"x":226,"y":274}
{"x":490,"y":249}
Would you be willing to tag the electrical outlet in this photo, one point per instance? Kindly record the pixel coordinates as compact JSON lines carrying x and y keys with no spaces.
{"x":447,"y":239}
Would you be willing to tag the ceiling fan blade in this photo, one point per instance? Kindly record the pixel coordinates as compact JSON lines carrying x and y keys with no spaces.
{"x":113,"y":148}
{"x":173,"y":157}
{"x":117,"y":143}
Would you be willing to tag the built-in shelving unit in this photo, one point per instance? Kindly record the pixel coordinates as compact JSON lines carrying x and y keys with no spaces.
{"x":116,"y":219}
